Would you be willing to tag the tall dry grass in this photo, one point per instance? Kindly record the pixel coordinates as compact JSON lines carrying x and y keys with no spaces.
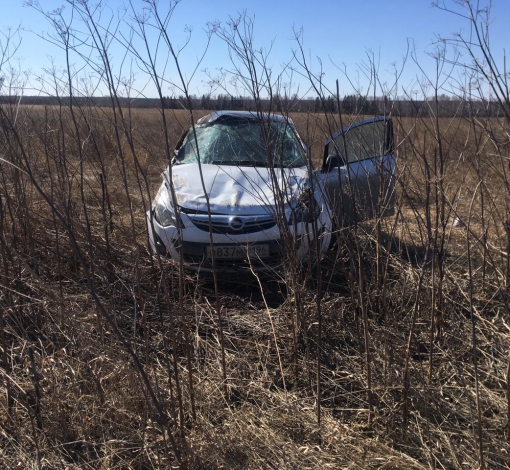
{"x":391,"y":351}
{"x":73,"y":396}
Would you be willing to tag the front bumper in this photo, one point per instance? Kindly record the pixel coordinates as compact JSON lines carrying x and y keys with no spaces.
{"x":193,"y":243}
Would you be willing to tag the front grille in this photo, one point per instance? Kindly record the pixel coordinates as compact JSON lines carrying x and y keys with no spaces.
{"x":233,"y":225}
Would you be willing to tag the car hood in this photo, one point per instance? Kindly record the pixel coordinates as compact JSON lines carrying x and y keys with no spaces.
{"x":233,"y":189}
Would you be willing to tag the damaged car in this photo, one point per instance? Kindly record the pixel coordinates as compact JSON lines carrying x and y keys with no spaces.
{"x":240,"y":193}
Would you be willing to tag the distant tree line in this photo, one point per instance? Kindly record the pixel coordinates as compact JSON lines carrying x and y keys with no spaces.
{"x":349,"y":104}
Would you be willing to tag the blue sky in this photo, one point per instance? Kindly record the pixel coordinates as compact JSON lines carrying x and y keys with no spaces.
{"x":338,"y":37}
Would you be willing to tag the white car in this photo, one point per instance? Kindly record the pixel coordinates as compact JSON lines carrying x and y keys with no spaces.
{"x":240,"y":194}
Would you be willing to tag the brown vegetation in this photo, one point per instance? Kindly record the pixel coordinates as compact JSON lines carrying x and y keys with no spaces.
{"x":390,"y":352}
{"x":72,"y":250}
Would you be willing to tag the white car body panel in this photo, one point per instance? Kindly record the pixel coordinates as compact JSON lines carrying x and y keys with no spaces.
{"x":233,"y":189}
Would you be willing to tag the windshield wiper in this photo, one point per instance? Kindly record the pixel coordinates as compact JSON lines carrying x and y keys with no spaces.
{"x":240,"y":163}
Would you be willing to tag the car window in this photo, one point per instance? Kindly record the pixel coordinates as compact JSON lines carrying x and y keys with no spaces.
{"x":361,"y":142}
{"x":243,"y":142}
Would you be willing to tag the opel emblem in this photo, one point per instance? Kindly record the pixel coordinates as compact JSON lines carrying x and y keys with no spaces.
{"x":236,"y":223}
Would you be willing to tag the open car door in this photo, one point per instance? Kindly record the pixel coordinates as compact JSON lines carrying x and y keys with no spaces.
{"x":358,"y":171}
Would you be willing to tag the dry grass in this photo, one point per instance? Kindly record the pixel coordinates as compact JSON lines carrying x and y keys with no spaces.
{"x":73,"y":398}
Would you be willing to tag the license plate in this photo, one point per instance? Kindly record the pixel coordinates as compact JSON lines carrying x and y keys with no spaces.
{"x":238,"y":251}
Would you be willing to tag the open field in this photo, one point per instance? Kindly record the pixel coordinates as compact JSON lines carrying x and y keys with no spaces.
{"x":393,"y":355}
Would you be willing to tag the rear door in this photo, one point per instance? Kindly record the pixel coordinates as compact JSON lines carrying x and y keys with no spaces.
{"x":358,"y":171}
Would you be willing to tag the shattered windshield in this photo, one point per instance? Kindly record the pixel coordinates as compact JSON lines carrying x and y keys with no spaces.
{"x":243,"y":142}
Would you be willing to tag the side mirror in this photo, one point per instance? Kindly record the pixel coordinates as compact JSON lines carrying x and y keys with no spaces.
{"x":333,"y":161}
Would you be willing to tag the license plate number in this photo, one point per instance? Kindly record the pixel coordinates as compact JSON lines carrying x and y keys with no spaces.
{"x":238,"y":251}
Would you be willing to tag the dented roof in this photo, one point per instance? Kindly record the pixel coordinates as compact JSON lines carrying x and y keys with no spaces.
{"x":245,"y":115}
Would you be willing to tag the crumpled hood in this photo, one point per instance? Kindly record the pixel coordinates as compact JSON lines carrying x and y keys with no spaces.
{"x":233,"y":189}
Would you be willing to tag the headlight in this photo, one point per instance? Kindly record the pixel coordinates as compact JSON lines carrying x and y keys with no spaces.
{"x":303,"y":210}
{"x":164,"y":215}
{"x":163,"y":210}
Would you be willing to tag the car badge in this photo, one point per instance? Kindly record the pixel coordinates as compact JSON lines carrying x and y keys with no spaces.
{"x":236,"y":223}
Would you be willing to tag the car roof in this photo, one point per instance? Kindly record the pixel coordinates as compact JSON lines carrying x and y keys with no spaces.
{"x":209,"y":118}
